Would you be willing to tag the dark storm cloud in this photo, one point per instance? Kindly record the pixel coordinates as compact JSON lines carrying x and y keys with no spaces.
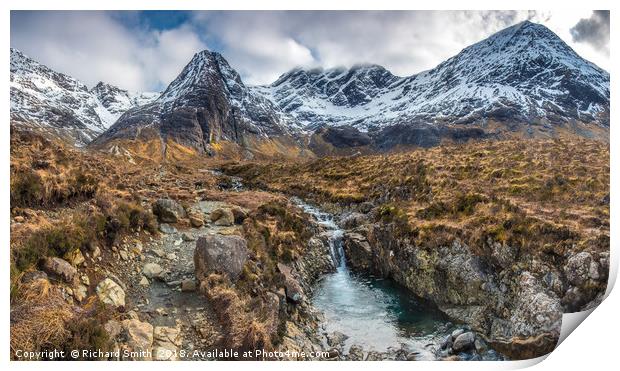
{"x":593,"y":30}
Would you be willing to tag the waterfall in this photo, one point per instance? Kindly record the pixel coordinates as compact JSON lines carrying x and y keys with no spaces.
{"x":334,"y":232}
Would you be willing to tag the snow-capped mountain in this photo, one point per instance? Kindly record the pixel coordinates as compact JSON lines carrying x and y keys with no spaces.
{"x":523,"y":81}
{"x":206,"y":104}
{"x":524,"y":74}
{"x":117,"y":101}
{"x":61,"y":105}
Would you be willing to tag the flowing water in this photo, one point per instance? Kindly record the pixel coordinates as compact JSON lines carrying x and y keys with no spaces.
{"x":375,"y":313}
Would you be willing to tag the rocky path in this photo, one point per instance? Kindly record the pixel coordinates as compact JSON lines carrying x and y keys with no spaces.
{"x":161,"y":289}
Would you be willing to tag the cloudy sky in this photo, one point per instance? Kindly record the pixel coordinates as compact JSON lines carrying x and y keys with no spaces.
{"x":145,"y":50}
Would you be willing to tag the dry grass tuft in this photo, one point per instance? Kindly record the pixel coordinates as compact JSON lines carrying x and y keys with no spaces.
{"x":39,"y":315}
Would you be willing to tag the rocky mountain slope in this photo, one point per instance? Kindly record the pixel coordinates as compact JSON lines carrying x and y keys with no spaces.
{"x":61,"y":105}
{"x":524,"y":77}
{"x":523,"y":81}
{"x":207,"y":104}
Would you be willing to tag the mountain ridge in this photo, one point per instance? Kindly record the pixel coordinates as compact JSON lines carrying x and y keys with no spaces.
{"x":493,"y":79}
{"x":522,"y":81}
{"x":61,"y":105}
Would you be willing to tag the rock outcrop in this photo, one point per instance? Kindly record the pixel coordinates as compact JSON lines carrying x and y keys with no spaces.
{"x":514,"y":310}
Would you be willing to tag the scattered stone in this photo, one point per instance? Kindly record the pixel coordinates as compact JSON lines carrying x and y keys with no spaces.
{"x":220,"y":254}
{"x":123,"y":255}
{"x":336,"y":338}
{"x":80,"y":293}
{"x":32,"y":276}
{"x":456,"y":333}
{"x":480,"y":345}
{"x":373,"y":355}
{"x":168,"y":211}
{"x":171,"y":256}
{"x":580,"y":268}
{"x":222,"y":217}
{"x":187,"y":237}
{"x":144,"y":281}
{"x":356,"y":353}
{"x":152,"y":270}
{"x":137,"y":248}
{"x":139,"y":337}
{"x":19,"y":219}
{"x":464,"y":342}
{"x":196,"y":220}
{"x":95,"y":252}
{"x":167,"y":228}
{"x":60,"y":267}
{"x":109,"y":292}
{"x":75,"y":257}
{"x":188,"y":285}
{"x":85,"y":280}
{"x":159,"y":252}
{"x":166,"y":343}
{"x":446,"y":343}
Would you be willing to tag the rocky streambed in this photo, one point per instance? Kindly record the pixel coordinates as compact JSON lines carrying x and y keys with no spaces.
{"x":358,"y":292}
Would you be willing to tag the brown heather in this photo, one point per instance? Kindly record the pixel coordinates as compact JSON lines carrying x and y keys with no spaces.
{"x":546,"y":195}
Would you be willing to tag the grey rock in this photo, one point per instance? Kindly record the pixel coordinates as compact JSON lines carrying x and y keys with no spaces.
{"x":356,"y":353}
{"x":580,"y":268}
{"x":109,"y":292}
{"x":220,"y":254}
{"x":31,"y":276}
{"x":60,"y":268}
{"x":456,"y":333}
{"x":294,"y":291}
{"x":168,"y":211}
{"x":464,"y":342}
{"x":167,"y":229}
{"x":336,"y":338}
{"x":187,"y":237}
{"x":152,"y":270}
{"x":188,"y":285}
{"x":222,"y":217}
{"x":139,"y":338}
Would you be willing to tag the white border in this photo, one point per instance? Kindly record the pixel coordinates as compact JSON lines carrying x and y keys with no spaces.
{"x":594,"y":344}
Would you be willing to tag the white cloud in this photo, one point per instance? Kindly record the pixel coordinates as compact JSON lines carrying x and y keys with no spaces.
{"x":93,"y":47}
{"x":262,"y":45}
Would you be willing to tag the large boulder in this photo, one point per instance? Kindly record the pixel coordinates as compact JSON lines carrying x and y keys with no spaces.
{"x":220,"y":254}
{"x":60,"y":268}
{"x":109,"y":292}
{"x":168,"y":211}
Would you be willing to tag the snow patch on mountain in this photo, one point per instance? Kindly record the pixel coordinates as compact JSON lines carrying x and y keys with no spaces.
{"x":523,"y":73}
{"x":56,"y":102}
